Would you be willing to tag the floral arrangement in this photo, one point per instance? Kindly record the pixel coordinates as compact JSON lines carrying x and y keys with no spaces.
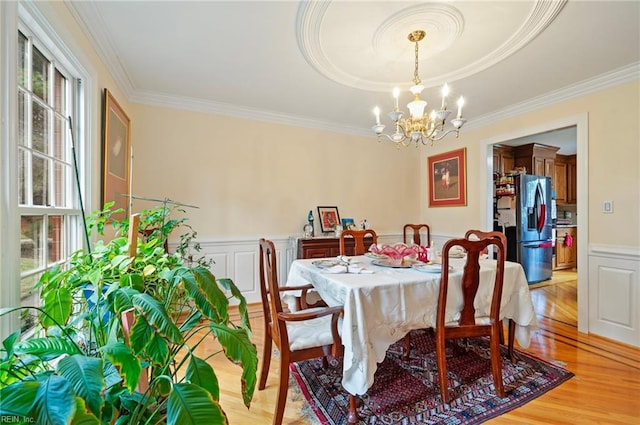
{"x":397,"y":253}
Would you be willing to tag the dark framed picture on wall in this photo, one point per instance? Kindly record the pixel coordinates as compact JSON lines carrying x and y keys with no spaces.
{"x":447,"y":179}
{"x":329,"y":218}
{"x":116,"y":154}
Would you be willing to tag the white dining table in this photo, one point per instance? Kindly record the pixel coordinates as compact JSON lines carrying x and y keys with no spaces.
{"x":382,"y":305}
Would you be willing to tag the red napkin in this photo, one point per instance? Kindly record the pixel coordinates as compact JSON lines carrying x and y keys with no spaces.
{"x":568,"y":240}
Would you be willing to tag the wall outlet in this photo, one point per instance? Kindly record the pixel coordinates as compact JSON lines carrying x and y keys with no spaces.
{"x":607,"y":207}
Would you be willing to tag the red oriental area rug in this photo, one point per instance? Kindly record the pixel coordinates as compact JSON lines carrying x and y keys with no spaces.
{"x":407,"y":392}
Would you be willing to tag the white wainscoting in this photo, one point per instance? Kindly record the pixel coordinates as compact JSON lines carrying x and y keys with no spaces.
{"x":614,"y":293}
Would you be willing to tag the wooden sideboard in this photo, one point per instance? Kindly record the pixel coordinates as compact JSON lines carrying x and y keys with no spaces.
{"x":322,"y":247}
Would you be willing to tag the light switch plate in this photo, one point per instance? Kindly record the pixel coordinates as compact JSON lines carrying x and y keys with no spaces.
{"x":607,"y":207}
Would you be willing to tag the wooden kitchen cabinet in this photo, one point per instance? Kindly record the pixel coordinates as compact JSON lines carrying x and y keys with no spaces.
{"x":503,"y":159}
{"x":538,"y":159}
{"x":326,"y":247}
{"x":565,"y":179}
{"x":560,"y":179}
{"x":566,"y":256}
{"x":572,"y":182}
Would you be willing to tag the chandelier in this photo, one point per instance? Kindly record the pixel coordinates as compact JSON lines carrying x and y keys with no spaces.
{"x":419,"y":127}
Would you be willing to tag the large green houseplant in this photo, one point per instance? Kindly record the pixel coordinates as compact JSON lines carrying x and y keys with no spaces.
{"x":84,"y":365}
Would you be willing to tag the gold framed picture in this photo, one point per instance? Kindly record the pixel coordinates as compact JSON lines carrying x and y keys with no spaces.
{"x":116,"y":154}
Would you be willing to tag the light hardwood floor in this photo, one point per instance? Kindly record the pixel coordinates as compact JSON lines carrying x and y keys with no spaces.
{"x":605,"y":389}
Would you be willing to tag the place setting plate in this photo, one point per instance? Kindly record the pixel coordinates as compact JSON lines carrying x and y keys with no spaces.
{"x":327,"y":264}
{"x":429,"y":268}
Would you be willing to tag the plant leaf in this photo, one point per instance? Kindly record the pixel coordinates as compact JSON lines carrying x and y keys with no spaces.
{"x":155,"y":313}
{"x":157,"y":349}
{"x":133,"y":280}
{"x":47,"y":348}
{"x":55,"y":402}
{"x":239,"y":349}
{"x":188,"y":404}
{"x":18,"y":398}
{"x":122,"y":299}
{"x":201,"y":373}
{"x":85,"y":375}
{"x":9,"y":343}
{"x":127,"y":364}
{"x":140,"y":334}
{"x":204,"y":295}
{"x":207,"y":281}
{"x":192,"y":321}
{"x":237,"y":294}
{"x":82,"y":417}
{"x":56,"y":308}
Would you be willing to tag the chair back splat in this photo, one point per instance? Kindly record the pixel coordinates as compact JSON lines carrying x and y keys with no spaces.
{"x":358,"y":236}
{"x":414,"y":231}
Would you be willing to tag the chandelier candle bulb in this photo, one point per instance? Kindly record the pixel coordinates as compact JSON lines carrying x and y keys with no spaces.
{"x":396,"y":94}
{"x":460,"y":105}
{"x":445,"y":93}
{"x":376,"y":112}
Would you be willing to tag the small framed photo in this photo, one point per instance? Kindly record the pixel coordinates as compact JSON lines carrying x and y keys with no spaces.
{"x":447,"y":179}
{"x":348,"y":223}
{"x":329,"y":218}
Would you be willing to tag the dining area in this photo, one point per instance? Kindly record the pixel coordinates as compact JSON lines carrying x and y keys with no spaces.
{"x":374,"y":296}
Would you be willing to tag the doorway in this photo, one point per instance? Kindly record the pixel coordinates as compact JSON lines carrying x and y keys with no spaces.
{"x":580,"y":122}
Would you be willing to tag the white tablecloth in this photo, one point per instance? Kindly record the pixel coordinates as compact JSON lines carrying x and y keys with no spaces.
{"x":382,"y":307}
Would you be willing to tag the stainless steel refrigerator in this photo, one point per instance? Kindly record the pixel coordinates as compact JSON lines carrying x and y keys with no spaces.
{"x":532,"y":234}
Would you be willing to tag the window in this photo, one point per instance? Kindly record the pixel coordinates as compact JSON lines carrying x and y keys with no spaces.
{"x":50,"y":218}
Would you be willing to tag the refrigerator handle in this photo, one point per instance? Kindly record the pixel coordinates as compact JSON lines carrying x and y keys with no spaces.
{"x":542,"y":218}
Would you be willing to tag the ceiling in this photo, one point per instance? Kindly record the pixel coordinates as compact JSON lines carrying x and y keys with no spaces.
{"x":327,"y":64}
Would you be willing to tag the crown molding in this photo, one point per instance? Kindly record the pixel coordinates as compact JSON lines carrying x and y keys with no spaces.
{"x":89,"y":19}
{"x":244,"y":112}
{"x":616,"y":77}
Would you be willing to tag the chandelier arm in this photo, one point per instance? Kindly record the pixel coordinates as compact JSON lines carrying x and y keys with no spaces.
{"x":443,"y":135}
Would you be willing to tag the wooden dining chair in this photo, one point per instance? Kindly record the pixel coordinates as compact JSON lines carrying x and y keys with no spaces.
{"x":480,"y":234}
{"x":300,"y":335}
{"x":358,"y":236}
{"x":413,"y":231}
{"x":469,"y":324}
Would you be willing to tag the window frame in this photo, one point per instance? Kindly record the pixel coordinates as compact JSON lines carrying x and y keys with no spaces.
{"x":36,"y":20}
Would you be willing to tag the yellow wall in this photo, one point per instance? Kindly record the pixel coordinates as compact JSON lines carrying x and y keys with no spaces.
{"x":613,"y":168}
{"x":251,"y":178}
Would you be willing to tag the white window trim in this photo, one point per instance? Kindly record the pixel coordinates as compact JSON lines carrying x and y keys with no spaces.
{"x":86,"y":133}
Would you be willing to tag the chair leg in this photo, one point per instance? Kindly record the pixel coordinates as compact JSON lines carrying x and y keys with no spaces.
{"x":512,"y":334}
{"x":266,"y":361}
{"x":353,"y":410}
{"x":496,"y":362}
{"x":281,"y":399}
{"x":441,"y":359}
{"x":407,"y":346}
